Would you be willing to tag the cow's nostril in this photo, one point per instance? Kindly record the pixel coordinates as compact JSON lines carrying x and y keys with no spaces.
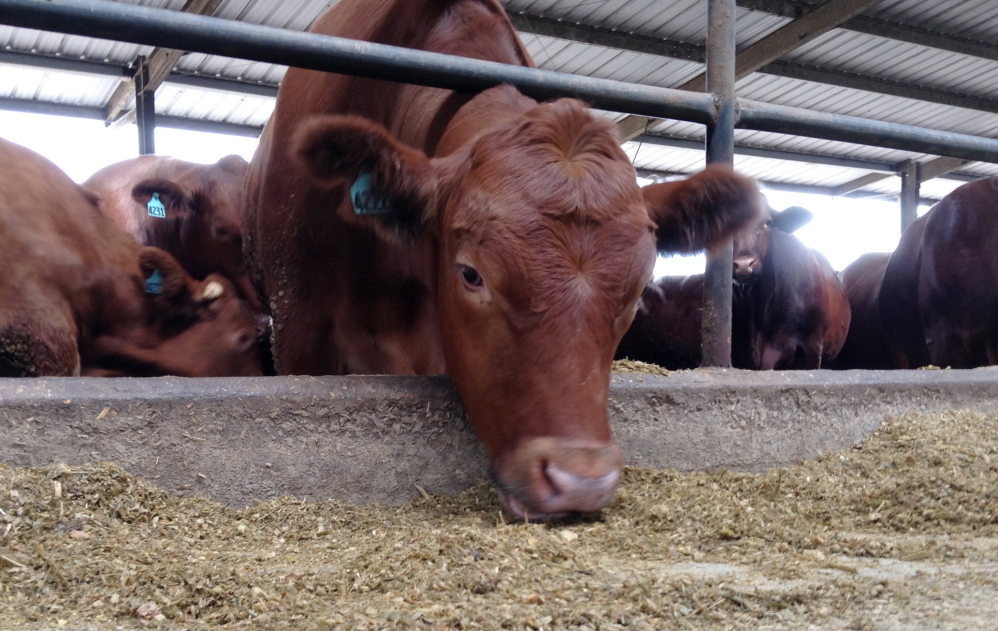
{"x":577,"y":493}
{"x":743,"y":265}
{"x":552,"y":489}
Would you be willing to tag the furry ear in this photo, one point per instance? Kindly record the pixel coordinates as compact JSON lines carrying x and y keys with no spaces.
{"x":168,"y":288}
{"x":163,"y":274}
{"x":792,"y":219}
{"x":703,"y":210}
{"x":234,"y":164}
{"x":172,"y":199}
{"x":389,"y":185}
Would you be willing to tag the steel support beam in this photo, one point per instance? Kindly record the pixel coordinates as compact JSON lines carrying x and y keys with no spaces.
{"x":145,"y":110}
{"x":779,"y":68}
{"x":597,"y":36}
{"x":858,"y":183}
{"x":771,"y":154}
{"x":800,"y":122}
{"x":937,"y":168}
{"x":788,"y":37}
{"x":876,"y":85}
{"x":910,"y":183}
{"x":811,"y":189}
{"x":97,"y":113}
{"x":159,"y":63}
{"x":85,"y":67}
{"x":791,"y":36}
{"x":883,"y":28}
{"x":720,"y":82}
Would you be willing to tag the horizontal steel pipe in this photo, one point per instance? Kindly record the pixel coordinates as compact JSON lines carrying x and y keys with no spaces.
{"x":799,"y":122}
{"x":214,"y":36}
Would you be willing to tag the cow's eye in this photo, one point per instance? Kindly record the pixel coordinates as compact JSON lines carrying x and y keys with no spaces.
{"x":471,"y":277}
{"x":769,"y":223}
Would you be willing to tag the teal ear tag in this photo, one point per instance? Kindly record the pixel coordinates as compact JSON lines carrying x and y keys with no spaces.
{"x":156,"y":207}
{"x":363,"y":198}
{"x":154,"y":284}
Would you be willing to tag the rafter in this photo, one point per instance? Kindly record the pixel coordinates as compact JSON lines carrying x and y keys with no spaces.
{"x":794,"y":34}
{"x":160,"y":62}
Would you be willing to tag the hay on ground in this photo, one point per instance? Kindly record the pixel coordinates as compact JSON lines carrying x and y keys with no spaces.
{"x":803,"y":545}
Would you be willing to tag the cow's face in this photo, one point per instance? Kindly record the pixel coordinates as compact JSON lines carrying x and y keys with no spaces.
{"x":751,"y":245}
{"x":544,"y":247}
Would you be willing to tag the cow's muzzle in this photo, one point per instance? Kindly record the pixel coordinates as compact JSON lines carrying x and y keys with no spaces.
{"x":547,"y":478}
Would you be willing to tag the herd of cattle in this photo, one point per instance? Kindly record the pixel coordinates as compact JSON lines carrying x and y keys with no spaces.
{"x":933,"y":301}
{"x":396,"y":229}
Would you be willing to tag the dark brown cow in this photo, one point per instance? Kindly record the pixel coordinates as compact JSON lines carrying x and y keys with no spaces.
{"x":898,"y":300}
{"x":939,"y":299}
{"x":79,"y":296}
{"x":667,"y":325}
{"x":789,"y":310}
{"x":202,"y":207}
{"x":867,"y":345}
{"x":485,"y":235}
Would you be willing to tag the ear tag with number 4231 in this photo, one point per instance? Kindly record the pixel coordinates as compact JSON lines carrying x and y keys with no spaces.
{"x":156,"y":207}
{"x":364,"y":199}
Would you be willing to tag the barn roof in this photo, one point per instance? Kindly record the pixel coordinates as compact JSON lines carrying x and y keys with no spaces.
{"x":918,"y":62}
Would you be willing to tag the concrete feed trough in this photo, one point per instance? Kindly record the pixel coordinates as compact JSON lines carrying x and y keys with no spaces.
{"x":374,"y":439}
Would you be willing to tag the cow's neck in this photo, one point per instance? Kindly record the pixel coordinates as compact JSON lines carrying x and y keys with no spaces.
{"x":416,"y":115}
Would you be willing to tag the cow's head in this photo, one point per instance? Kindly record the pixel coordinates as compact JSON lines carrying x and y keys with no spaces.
{"x":203,"y":217}
{"x":179,"y":326}
{"x":545,"y":244}
{"x":752,"y":244}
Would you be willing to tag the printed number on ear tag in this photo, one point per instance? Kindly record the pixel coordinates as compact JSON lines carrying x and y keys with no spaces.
{"x":156,"y":207}
{"x":154,"y":284}
{"x":363,"y":198}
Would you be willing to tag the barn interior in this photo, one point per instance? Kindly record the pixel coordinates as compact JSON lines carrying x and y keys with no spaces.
{"x":901,"y":65}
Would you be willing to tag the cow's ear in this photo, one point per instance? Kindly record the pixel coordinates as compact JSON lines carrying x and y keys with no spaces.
{"x":155,"y":194}
{"x":792,"y":219}
{"x":234,"y":164}
{"x":703,"y":210}
{"x":170,"y":290}
{"x":390,"y":185}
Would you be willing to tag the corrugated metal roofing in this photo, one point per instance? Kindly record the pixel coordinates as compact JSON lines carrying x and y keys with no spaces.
{"x":682,"y":21}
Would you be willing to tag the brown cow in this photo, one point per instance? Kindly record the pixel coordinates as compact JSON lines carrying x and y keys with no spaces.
{"x":789,"y":310}
{"x":667,"y":325}
{"x":485,"y":235}
{"x":201,"y":212}
{"x":939,"y":299}
{"x":79,"y":296}
{"x":898,"y":300}
{"x":867,"y":346}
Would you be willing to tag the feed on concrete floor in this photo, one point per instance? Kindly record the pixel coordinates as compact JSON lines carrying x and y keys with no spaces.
{"x":900,"y":532}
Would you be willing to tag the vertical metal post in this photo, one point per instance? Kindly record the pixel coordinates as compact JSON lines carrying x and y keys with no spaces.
{"x":911,"y":182}
{"x":145,"y":110}
{"x":716,"y":326}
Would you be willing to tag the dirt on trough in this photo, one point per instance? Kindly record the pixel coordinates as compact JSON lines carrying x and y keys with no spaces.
{"x":900,"y":532}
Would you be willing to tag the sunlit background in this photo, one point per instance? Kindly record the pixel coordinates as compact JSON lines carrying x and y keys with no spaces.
{"x":842,"y":228}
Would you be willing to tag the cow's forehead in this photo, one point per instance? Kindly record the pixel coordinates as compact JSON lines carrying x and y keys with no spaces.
{"x":556,"y":159}
{"x":525,"y":198}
